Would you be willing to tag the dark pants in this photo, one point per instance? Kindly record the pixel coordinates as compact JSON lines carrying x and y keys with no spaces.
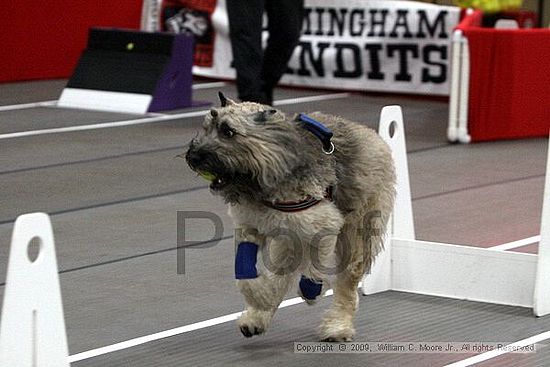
{"x":258,"y":72}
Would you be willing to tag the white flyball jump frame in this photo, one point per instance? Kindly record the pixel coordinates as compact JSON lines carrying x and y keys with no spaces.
{"x":454,"y":271}
{"x":457,"y":130}
{"x":32,"y":328}
{"x":32,"y":332}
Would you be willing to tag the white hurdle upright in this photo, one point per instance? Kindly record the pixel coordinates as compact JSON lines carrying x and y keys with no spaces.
{"x":542,"y":282}
{"x":457,"y":130}
{"x":391,"y":129}
{"x":32,"y":332}
{"x":455,"y":271}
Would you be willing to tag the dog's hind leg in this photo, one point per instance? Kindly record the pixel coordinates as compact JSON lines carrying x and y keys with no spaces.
{"x":360,"y":240}
{"x":318,"y":265}
{"x":337,"y":324}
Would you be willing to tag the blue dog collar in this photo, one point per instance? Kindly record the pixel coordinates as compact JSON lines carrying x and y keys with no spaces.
{"x":322,"y":132}
{"x":245,"y":261}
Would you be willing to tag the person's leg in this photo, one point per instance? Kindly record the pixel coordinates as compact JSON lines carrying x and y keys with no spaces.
{"x":245,"y":32}
{"x":285,"y":24}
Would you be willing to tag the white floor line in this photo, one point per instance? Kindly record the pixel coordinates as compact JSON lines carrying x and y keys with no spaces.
{"x":139,"y":121}
{"x":515,"y":244}
{"x":23,"y":106}
{"x":148,"y":120}
{"x":495,"y":353}
{"x":321,"y":97}
{"x":209,"y":85}
{"x":156,"y":114}
{"x":171,"y":332}
{"x":27,"y":105}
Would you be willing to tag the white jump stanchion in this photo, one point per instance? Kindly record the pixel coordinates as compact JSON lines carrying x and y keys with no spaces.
{"x":457,"y":129}
{"x":462,"y":131}
{"x":150,"y":16}
{"x":542,"y":283}
{"x":454,"y":98}
{"x":455,"y":271}
{"x":392,"y":130}
{"x":401,"y":224}
{"x":32,"y":329}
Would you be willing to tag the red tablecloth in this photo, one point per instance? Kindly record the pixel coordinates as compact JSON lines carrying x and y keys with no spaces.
{"x":509,"y":82}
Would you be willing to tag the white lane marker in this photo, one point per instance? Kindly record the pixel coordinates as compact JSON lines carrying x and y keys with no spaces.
{"x":138,"y":121}
{"x":498,"y":352}
{"x":209,"y":85}
{"x":148,"y":120}
{"x":321,"y":97}
{"x":172,"y":332}
{"x":27,"y":105}
{"x":54,"y":102}
{"x":515,"y":244}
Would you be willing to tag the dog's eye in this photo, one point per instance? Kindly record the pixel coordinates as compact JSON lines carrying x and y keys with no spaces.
{"x":226,"y":130}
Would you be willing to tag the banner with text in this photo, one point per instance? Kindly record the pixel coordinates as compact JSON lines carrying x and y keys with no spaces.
{"x":375,"y":45}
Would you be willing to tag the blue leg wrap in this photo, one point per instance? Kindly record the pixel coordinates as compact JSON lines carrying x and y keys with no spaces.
{"x":245,"y":261}
{"x":310,"y":289}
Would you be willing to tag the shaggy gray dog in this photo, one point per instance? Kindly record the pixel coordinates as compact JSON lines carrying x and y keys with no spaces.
{"x":308,"y":210}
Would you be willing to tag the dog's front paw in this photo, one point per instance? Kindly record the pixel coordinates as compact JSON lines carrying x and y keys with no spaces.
{"x":335,"y":329}
{"x":254,"y":322}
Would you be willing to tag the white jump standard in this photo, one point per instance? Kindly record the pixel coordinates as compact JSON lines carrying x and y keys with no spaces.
{"x":32,"y":332}
{"x":455,"y":271}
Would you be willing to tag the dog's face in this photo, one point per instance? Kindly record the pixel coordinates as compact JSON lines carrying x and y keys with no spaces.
{"x":244,"y":147}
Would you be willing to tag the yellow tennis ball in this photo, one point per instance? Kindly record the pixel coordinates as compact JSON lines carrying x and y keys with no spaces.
{"x":207,"y":176}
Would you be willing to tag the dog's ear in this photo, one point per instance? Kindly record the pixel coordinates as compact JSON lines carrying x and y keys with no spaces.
{"x":264,"y":116}
{"x":224,"y":100}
